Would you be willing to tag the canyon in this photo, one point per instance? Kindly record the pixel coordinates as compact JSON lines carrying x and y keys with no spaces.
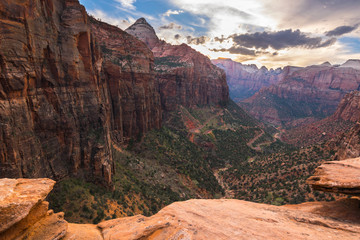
{"x":24,"y":215}
{"x":245,"y":80}
{"x":301,"y":95}
{"x":185,"y":76}
{"x":73,"y":87}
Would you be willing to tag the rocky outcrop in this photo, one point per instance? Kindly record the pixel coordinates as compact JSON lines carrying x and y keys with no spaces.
{"x":186,"y":77}
{"x":245,"y":80}
{"x":24,"y":213}
{"x":344,"y":118}
{"x":338,"y":177}
{"x":349,"y":108}
{"x":314,"y":91}
{"x":68,"y":86}
{"x":193,"y":219}
{"x":347,"y":145}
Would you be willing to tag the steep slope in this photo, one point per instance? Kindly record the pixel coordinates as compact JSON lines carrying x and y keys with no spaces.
{"x":245,"y":80}
{"x":186,"y":77}
{"x":303,"y":96}
{"x":134,"y":92}
{"x":68,"y":88}
{"x":345,"y":117}
{"x":53,"y":98}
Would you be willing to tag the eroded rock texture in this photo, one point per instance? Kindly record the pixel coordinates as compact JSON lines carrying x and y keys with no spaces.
{"x":193,"y":219}
{"x":134,"y":93}
{"x":69,"y":87}
{"x":24,"y":213}
{"x":186,"y":77}
{"x":246,"y":80}
{"x":52,"y":96}
{"x":338,"y":176}
{"x":306,"y":94}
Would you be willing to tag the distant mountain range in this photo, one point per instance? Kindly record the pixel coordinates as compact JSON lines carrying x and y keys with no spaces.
{"x":291,"y":96}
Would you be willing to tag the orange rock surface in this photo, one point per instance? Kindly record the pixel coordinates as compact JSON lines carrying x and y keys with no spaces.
{"x":338,"y":177}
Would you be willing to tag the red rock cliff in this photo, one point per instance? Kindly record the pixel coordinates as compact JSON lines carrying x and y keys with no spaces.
{"x":134,"y":92}
{"x":185,"y":76}
{"x":308,"y":92}
{"x":245,"y":80}
{"x":61,"y":102}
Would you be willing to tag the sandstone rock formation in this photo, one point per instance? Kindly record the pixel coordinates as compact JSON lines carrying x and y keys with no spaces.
{"x":338,"y":176}
{"x":344,"y":118}
{"x":193,"y":219}
{"x":186,"y":77}
{"x":67,"y":87}
{"x":134,"y":92}
{"x":348,"y":144}
{"x":53,"y":98}
{"x":246,"y":80}
{"x":308,"y":94}
{"x":24,"y":213}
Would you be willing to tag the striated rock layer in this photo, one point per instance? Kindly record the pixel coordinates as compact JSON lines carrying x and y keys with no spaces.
{"x":246,"y":80}
{"x":338,"y":176}
{"x":53,"y":97}
{"x":193,"y":219}
{"x":67,"y":87}
{"x":314,"y":91}
{"x":134,"y":92}
{"x":344,"y":118}
{"x":186,"y":77}
{"x":24,"y":213}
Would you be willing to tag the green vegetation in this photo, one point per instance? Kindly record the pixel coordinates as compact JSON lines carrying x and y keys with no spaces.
{"x":178,"y":161}
{"x":170,"y":61}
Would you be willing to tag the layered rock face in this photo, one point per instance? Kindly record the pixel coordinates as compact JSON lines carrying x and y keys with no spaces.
{"x":53,"y":99}
{"x":344,"y":118}
{"x":134,"y":92}
{"x":246,"y":80}
{"x":193,"y":219}
{"x":68,"y":86}
{"x":313,"y":91}
{"x":186,"y":77}
{"x":338,"y":177}
{"x":23,"y":212}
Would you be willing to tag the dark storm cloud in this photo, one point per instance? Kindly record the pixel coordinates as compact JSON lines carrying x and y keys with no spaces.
{"x":237,"y":50}
{"x":196,"y":40}
{"x":280,"y":40}
{"x":341,"y":30}
{"x":171,"y":26}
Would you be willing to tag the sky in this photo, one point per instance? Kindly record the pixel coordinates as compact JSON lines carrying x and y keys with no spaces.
{"x":271,"y":33}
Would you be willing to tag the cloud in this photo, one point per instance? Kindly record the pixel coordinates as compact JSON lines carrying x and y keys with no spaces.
{"x":280,"y":40}
{"x":121,"y":23}
{"x":197,"y":40}
{"x":171,"y":26}
{"x":172,"y":12}
{"x":237,"y":50}
{"x":177,"y":36}
{"x":127,"y":3}
{"x":341,"y":30}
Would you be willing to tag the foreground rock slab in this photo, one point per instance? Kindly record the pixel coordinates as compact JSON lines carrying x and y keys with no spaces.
{"x":19,"y":196}
{"x":338,"y":176}
{"x":229,"y":219}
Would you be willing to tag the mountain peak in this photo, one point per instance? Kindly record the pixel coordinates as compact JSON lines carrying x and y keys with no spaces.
{"x":352,"y":63}
{"x":142,"y":30}
{"x":141,"y":21}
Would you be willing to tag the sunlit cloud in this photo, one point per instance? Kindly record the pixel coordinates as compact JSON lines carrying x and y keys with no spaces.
{"x":127,"y":3}
{"x":172,"y":12}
